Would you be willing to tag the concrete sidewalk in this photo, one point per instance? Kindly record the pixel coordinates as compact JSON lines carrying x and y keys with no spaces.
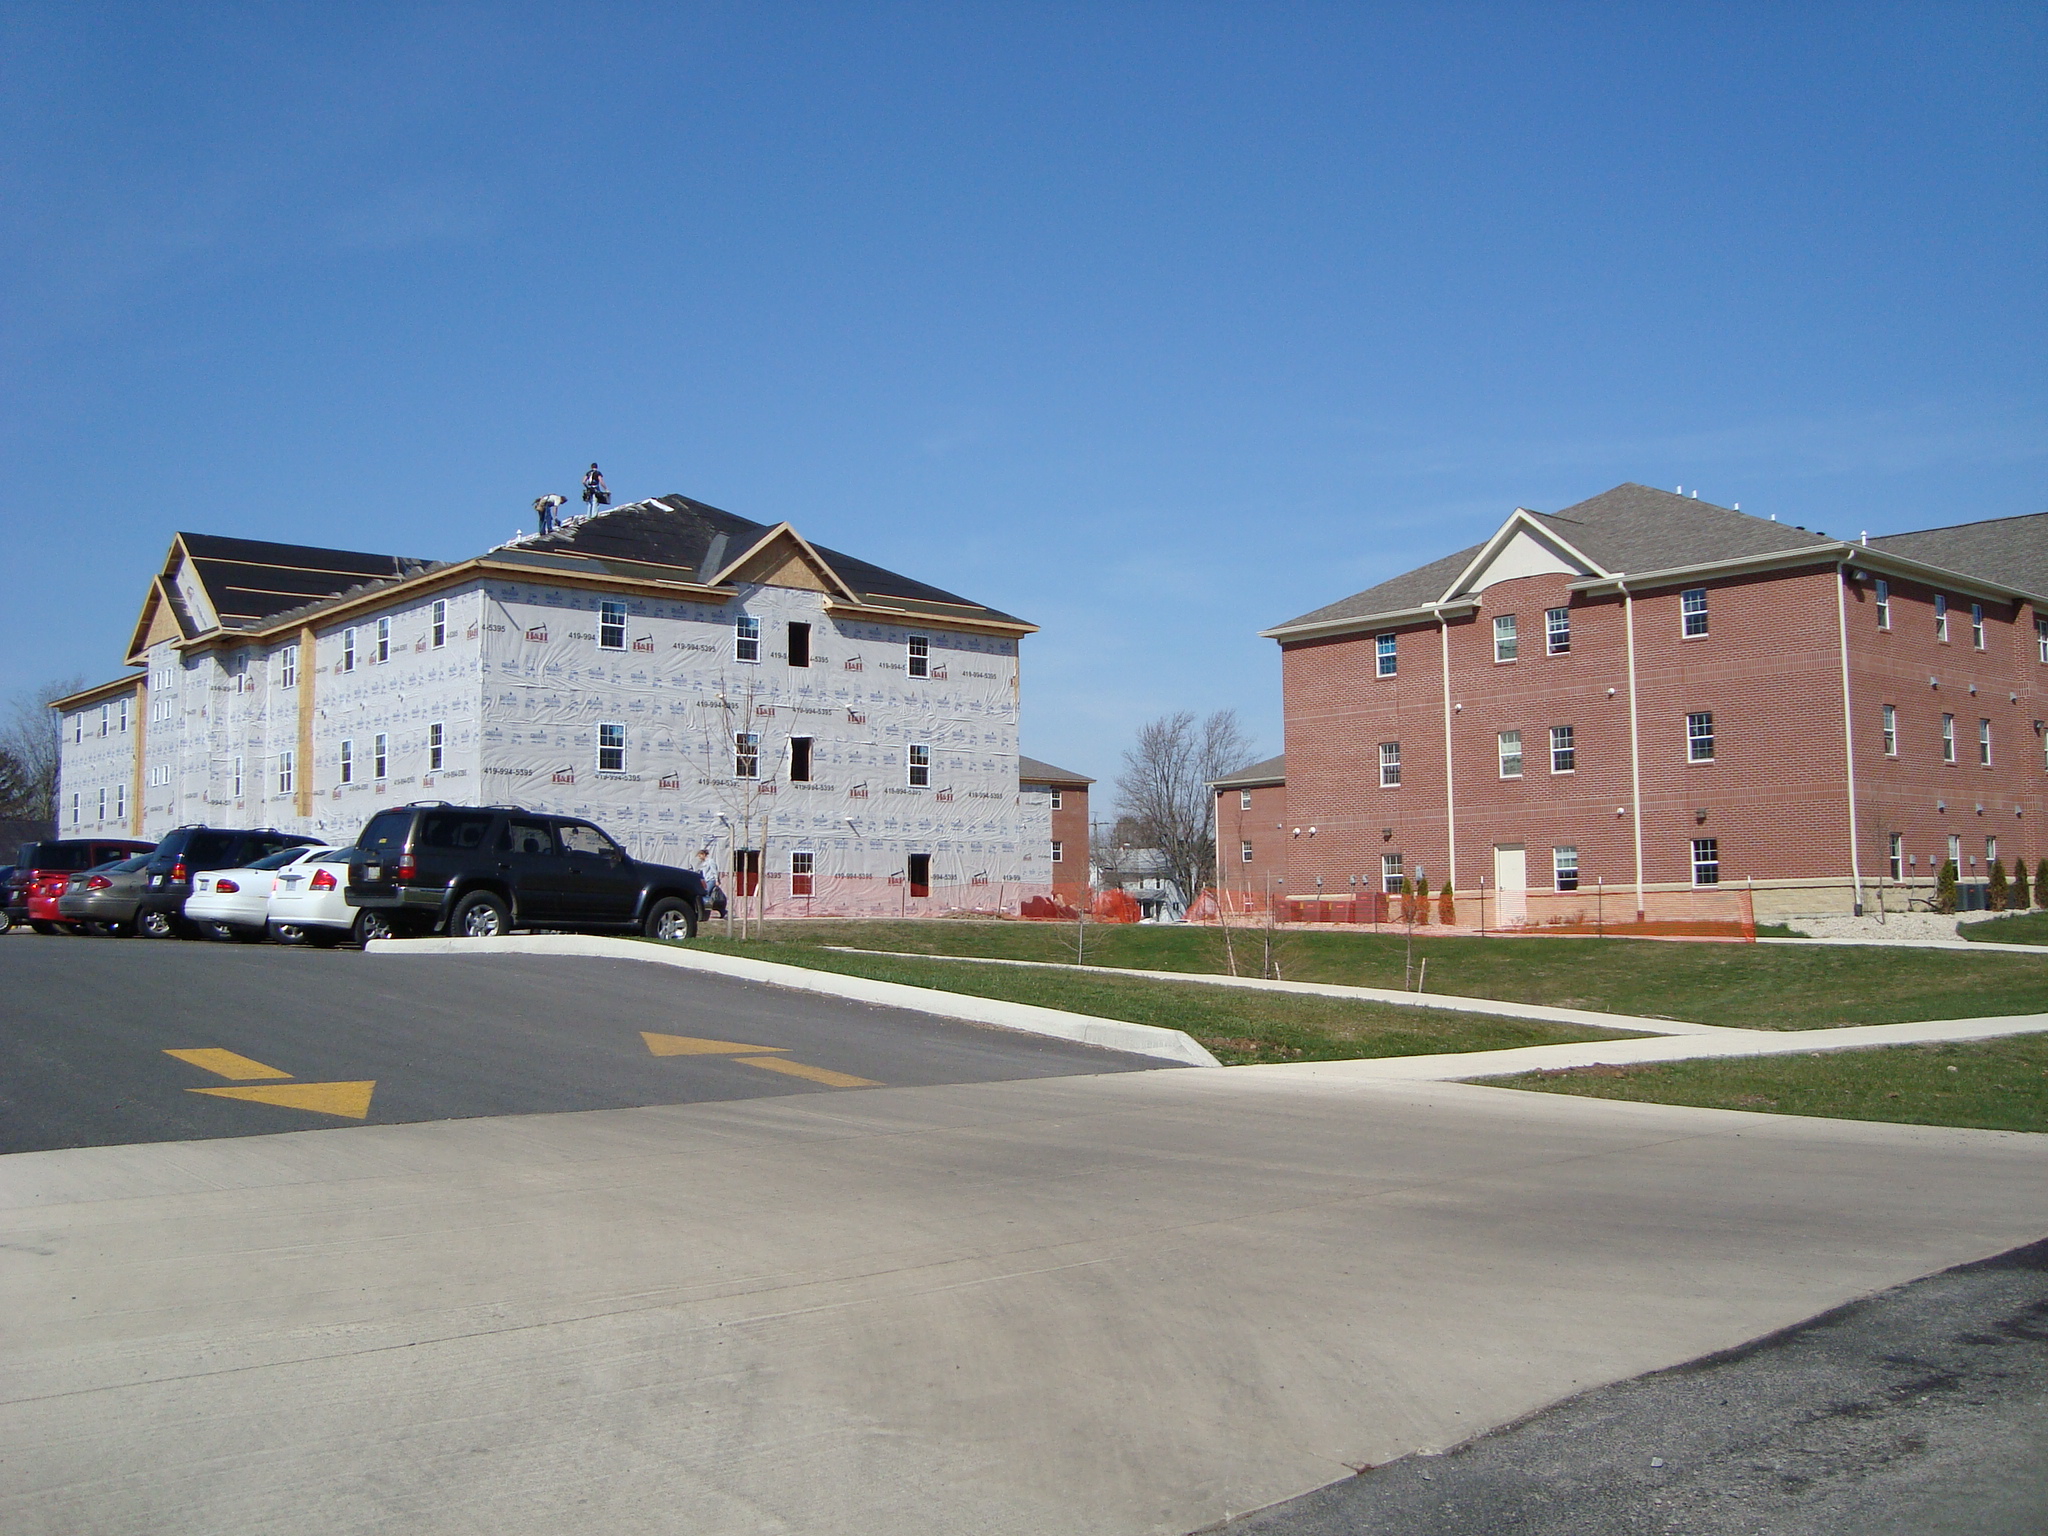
{"x":1134,"y":1303}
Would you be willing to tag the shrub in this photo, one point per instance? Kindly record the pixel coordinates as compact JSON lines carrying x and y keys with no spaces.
{"x":2021,"y":898}
{"x":1945,"y":887}
{"x":1446,"y":906}
{"x":2041,"y":884}
{"x":1995,"y":897}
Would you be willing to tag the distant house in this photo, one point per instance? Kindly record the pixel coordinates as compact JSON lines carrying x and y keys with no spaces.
{"x":1143,"y":875}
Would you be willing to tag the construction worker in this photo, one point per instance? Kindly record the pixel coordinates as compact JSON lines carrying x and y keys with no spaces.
{"x":595,"y":492}
{"x":545,"y":506}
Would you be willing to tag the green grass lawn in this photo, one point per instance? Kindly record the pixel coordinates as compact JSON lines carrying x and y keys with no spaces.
{"x":1238,"y":1027}
{"x":2019,"y":928}
{"x":1992,"y":1085}
{"x":1742,"y":985}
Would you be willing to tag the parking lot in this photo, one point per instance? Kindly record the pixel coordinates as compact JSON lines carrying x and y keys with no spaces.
{"x":106,"y":1042}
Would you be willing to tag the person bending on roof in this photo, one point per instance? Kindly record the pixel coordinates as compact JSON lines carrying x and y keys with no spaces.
{"x":595,"y":492}
{"x":545,"y":506}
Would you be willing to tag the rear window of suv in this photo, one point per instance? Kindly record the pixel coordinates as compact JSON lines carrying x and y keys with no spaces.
{"x":208,"y":846}
{"x":453,"y":829}
{"x":386,"y":832}
{"x":58,"y":856}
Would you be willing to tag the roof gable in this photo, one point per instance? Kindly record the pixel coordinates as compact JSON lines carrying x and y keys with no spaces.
{"x":783,"y":558}
{"x":1524,"y":545}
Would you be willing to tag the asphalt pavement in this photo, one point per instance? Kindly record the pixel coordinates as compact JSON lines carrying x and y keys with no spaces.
{"x":273,"y":1039}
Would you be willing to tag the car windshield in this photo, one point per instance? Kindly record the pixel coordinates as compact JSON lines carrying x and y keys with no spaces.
{"x":281,"y":858}
{"x":334,"y":855}
{"x":386,"y":832}
{"x":61,"y":856}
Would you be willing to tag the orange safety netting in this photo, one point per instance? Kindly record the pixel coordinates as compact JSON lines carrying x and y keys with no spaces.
{"x":1116,"y":907}
{"x":1711,"y":912}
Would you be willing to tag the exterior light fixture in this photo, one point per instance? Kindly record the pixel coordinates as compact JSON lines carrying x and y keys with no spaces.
{"x":1700,"y":815}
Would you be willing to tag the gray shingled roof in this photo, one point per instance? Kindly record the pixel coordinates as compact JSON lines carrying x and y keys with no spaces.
{"x":1272,"y":771}
{"x":2009,"y":551}
{"x":1031,"y":771}
{"x":1425,"y":584}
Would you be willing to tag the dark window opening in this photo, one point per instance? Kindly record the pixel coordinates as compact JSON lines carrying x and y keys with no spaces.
{"x":746,"y":871}
{"x":920,"y":872}
{"x":799,"y":759}
{"x":799,"y":645}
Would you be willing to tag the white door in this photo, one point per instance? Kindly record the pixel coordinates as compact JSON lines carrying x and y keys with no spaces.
{"x":1511,"y":883}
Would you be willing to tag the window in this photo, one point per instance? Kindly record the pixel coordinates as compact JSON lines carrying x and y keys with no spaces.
{"x":1940,"y":617}
{"x":1564,"y":868}
{"x":582,"y":837}
{"x":746,"y":755}
{"x":1891,"y":731}
{"x":287,"y":762}
{"x":802,"y":871}
{"x":1244,"y":852}
{"x":1504,"y":638}
{"x":1693,"y":611}
{"x":1990,"y":851}
{"x":103,"y":805}
{"x":437,"y":738}
{"x":1511,"y":754}
{"x":919,"y":655}
{"x":380,"y":756}
{"x":1390,"y":873}
{"x":238,"y":778}
{"x":77,"y":727}
{"x":1948,"y":738}
{"x":348,"y":762}
{"x":288,"y":667}
{"x":2041,"y":637}
{"x":530,"y":838}
{"x":799,"y":645}
{"x":611,"y":625}
{"x":920,"y":765}
{"x":799,"y":759}
{"x":348,"y":650}
{"x":440,"y":622}
{"x":1057,"y":801}
{"x":1706,"y":861}
{"x":120,"y":802}
{"x":1564,"y":753}
{"x":1557,"y":631}
{"x":611,"y":747}
{"x":1884,"y":604}
{"x":1984,"y":743}
{"x":1390,"y":764}
{"x":1977,"y":625}
{"x":1898,"y":856}
{"x":1244,"y":799}
{"x":1058,"y":852}
{"x":1386,"y":655}
{"x":1699,"y":737}
{"x":746,"y":645}
{"x":1955,"y":850}
{"x":106,"y":718}
{"x":383,"y":640}
{"x":74,"y":802}
{"x":124,"y":716}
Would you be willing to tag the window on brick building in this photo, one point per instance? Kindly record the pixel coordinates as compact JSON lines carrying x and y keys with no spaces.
{"x":1510,"y":743}
{"x":1706,"y":861}
{"x":1244,"y":851}
{"x":1699,"y":737}
{"x":1955,"y":850}
{"x":1390,"y":873}
{"x":1693,"y":611}
{"x":1948,"y":738}
{"x":1386,"y":654}
{"x":1940,"y":617}
{"x":1504,"y":638}
{"x":1884,"y":604}
{"x":2041,"y":637}
{"x":1984,"y":743}
{"x":1058,"y":852}
{"x":1390,"y":764}
{"x":1898,"y":856}
{"x":611,"y":625}
{"x":1244,"y":799}
{"x":1891,"y":731}
{"x":1557,"y":631}
{"x":1977,"y":625}
{"x":1056,"y":799}
{"x":1564,"y":752}
{"x":1564,"y":868}
{"x":746,"y":641}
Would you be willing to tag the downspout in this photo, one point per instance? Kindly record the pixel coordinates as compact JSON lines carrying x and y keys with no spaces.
{"x":1848,"y":734}
{"x":1635,"y":745}
{"x":1443,"y":630}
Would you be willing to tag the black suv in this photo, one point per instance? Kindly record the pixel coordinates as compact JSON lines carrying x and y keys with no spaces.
{"x":167,"y":877}
{"x":478,"y":871}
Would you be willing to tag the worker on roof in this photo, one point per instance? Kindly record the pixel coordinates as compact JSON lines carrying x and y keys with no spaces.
{"x":595,"y":492}
{"x":545,"y":506}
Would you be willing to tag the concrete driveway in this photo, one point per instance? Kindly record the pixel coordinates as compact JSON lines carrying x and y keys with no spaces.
{"x":1134,"y":1302}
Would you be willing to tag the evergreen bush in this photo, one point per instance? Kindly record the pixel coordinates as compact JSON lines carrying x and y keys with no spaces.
{"x":1447,"y":906}
{"x":1945,"y":887}
{"x":2021,"y":898}
{"x":2001,"y":889}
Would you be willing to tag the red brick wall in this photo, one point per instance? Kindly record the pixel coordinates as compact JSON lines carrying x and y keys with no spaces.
{"x":1070,"y":831}
{"x":1264,"y":825}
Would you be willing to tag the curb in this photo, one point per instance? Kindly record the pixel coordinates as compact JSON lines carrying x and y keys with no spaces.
{"x":1111,"y":1034}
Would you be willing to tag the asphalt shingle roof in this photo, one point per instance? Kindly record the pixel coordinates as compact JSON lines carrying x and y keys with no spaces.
{"x":1031,"y":771}
{"x":2011,"y":551}
{"x":248,"y":580}
{"x":1272,"y":771}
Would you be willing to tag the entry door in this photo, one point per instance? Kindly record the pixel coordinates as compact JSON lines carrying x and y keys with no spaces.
{"x":1511,"y":882}
{"x":920,"y":872}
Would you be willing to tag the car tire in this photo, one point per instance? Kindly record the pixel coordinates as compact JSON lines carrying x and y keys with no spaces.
{"x":155,"y":923}
{"x":479,"y":915}
{"x":41,"y":926}
{"x":671,"y":920}
{"x":373,"y":923}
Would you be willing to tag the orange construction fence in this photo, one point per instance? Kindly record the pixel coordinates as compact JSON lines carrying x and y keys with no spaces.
{"x":1707,"y":912}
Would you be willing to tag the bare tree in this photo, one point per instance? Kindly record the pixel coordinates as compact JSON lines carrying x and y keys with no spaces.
{"x":1164,"y":788}
{"x":28,"y":746}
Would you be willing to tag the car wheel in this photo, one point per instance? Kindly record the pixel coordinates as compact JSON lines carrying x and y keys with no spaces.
{"x":155,"y":923}
{"x":480,"y":915}
{"x":671,"y":921}
{"x":97,"y":930}
{"x":42,"y":927}
{"x":76,"y":930}
{"x":288,"y":933}
{"x":372,"y":924}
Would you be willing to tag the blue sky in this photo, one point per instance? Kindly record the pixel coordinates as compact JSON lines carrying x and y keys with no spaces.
{"x":1153,"y":323}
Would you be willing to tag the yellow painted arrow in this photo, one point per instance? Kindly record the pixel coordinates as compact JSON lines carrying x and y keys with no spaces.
{"x":780,"y":1064}
{"x":351,"y":1101}
{"x":227,"y":1064}
{"x":686,"y":1045}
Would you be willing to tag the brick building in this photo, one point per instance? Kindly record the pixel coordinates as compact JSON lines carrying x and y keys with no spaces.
{"x":1649,"y":694}
{"x":1065,"y":799}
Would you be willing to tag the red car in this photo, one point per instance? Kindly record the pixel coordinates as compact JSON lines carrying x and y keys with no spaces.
{"x":43,"y":870}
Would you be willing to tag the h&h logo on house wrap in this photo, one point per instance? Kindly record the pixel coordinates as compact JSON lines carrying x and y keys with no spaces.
{"x":538,"y":633}
{"x":671,"y":781}
{"x":565,"y":776}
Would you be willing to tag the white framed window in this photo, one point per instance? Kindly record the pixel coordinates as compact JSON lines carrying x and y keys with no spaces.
{"x":438,"y":622}
{"x":120,"y":802}
{"x":1692,"y":607}
{"x":1390,"y":873}
{"x":611,"y":747}
{"x":1510,"y":744}
{"x":348,"y":762}
{"x":106,"y":718}
{"x":803,"y":866}
{"x":918,"y":656}
{"x":238,"y":778}
{"x":1891,"y":731}
{"x":1057,"y":802}
{"x":1884,"y":603}
{"x":1504,"y":644}
{"x":348,"y":650}
{"x":746,"y":755}
{"x":799,"y":759}
{"x":1059,"y":853}
{"x":103,"y":805}
{"x":1244,"y":799}
{"x":380,"y":756}
{"x":611,"y":625}
{"x":437,"y":741}
{"x":1564,"y":751}
{"x":1897,"y":856}
{"x":1386,"y":655}
{"x":1706,"y":861}
{"x":798,"y":645}
{"x":1955,"y":850}
{"x":77,"y":727}
{"x":1977,"y":625}
{"x":1940,"y":617}
{"x":1948,"y":738}
{"x":1699,"y":737}
{"x":74,"y":802}
{"x":1390,"y":765}
{"x":124,"y":716}
{"x":1984,"y":743}
{"x":383,"y":640}
{"x":1244,"y":851}
{"x":920,"y":759}
{"x":2041,"y":637}
{"x":1557,"y":631}
{"x":1564,"y":868}
{"x":1990,"y":851}
{"x":288,"y":667}
{"x":746,"y":643}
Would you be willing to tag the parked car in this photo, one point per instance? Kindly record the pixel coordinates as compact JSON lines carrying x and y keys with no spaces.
{"x":308,"y":904}
{"x":60,"y":856}
{"x":6,"y":887}
{"x":183,"y":853}
{"x":235,"y":903}
{"x":102,"y":901}
{"x":475,"y":871}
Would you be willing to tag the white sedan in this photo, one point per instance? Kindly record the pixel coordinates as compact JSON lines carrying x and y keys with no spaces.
{"x":235,"y":903}
{"x":306,"y":905}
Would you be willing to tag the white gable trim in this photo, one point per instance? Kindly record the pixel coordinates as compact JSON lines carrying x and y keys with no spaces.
{"x":1521,"y":546}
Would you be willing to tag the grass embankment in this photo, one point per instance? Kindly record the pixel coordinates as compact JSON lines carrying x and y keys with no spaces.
{"x":1237,"y":1027}
{"x":2019,"y":928}
{"x":1742,"y":985}
{"x":1992,"y":1085}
